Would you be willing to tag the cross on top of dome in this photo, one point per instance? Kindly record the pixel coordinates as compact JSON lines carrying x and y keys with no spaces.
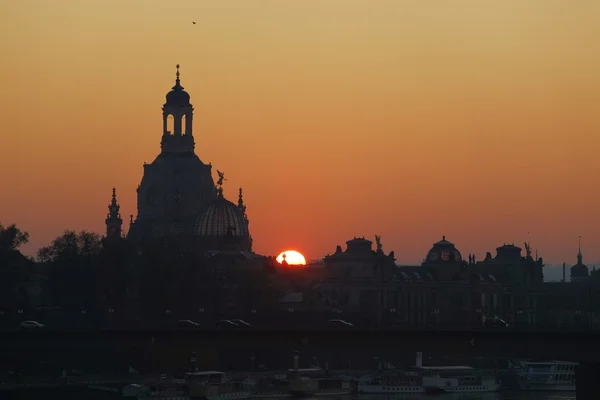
{"x":177,"y":96}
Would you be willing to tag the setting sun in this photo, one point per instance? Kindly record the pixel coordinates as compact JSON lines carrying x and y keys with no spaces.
{"x":292,"y":257}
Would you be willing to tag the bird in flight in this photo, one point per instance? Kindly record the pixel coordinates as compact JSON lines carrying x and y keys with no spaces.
{"x":194,"y":22}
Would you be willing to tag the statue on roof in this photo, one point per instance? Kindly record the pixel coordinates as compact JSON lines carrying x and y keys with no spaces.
{"x":378,"y":243}
{"x":221,"y":178}
{"x":528,"y":250}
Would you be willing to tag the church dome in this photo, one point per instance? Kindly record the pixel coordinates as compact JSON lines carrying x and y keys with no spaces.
{"x":178,"y":97}
{"x":443,"y":251}
{"x":580,"y":270}
{"x":223,"y":219}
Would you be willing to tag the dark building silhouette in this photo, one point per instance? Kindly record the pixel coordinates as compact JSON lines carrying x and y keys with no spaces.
{"x":178,"y":196}
{"x":114,"y":222}
{"x":177,"y":185}
{"x":579,"y":271}
{"x":223,"y":225}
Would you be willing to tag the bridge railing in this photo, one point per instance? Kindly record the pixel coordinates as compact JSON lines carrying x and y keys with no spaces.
{"x":289,"y":318}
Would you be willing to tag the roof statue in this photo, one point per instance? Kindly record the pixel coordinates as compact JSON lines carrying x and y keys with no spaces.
{"x":221,"y":178}
{"x":528,"y":249}
{"x":378,"y":243}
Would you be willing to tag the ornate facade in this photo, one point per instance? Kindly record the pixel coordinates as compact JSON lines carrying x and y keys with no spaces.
{"x":367,"y":287}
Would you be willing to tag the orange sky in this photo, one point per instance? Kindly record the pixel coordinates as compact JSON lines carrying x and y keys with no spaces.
{"x":475,"y":119}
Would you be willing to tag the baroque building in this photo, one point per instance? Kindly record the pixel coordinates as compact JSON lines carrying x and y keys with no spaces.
{"x":177,"y":196}
{"x":366,"y":287}
{"x":177,"y":185}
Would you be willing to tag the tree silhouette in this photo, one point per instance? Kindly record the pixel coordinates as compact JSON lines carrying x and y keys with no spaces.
{"x":11,"y":237}
{"x":69,"y":262}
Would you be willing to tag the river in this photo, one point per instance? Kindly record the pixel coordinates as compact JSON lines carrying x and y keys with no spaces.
{"x":85,"y":394}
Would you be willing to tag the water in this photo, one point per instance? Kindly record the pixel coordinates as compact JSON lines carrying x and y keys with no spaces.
{"x":90,"y":395}
{"x":475,"y":396}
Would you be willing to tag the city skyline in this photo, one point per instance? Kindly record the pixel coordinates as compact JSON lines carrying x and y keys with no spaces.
{"x":410,"y":122}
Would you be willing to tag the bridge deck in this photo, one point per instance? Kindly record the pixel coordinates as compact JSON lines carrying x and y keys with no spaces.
{"x":246,"y":349}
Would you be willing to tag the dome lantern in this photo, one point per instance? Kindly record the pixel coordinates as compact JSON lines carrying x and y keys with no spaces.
{"x":443,"y":252}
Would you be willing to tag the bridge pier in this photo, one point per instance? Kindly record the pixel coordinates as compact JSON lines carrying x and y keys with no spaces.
{"x":588,"y":381}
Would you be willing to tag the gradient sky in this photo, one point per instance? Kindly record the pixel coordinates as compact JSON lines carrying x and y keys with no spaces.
{"x":478,"y":120}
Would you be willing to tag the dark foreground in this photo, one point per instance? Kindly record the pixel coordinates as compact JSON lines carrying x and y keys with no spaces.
{"x":86,"y":394}
{"x":105,"y":351}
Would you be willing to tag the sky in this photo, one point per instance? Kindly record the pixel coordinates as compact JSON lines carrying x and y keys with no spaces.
{"x":339,"y":118}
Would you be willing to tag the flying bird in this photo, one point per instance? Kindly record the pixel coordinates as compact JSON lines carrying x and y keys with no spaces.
{"x":194,"y":22}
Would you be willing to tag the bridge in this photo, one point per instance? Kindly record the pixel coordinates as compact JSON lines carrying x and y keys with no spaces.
{"x":581,"y":346}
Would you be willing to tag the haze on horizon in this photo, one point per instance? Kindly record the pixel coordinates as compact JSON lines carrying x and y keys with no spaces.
{"x":339,"y":118}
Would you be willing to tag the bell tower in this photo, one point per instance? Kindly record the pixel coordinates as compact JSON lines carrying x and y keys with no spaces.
{"x":113,"y":221}
{"x":178,"y":116}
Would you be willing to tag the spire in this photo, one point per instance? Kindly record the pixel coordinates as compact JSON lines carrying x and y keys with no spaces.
{"x":113,"y":207}
{"x":177,"y":80}
{"x":113,"y":219}
{"x":579,"y":256}
{"x":241,"y":205}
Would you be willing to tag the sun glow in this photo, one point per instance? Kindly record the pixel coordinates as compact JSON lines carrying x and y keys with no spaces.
{"x":292,"y":257}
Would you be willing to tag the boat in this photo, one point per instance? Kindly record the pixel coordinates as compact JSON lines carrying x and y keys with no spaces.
{"x":551,"y":376}
{"x":208,"y":385}
{"x":391,"y":383}
{"x":305,"y":382}
{"x":431,"y":379}
{"x":458,"y":379}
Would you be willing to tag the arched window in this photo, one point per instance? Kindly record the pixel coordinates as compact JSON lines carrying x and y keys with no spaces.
{"x":184,"y":124}
{"x":445,"y":255}
{"x":170,"y":124}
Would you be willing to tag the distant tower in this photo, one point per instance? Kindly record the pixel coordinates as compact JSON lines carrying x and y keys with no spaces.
{"x":178,"y":107}
{"x":579,"y":271}
{"x":242,"y":207}
{"x":114,"y":222}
